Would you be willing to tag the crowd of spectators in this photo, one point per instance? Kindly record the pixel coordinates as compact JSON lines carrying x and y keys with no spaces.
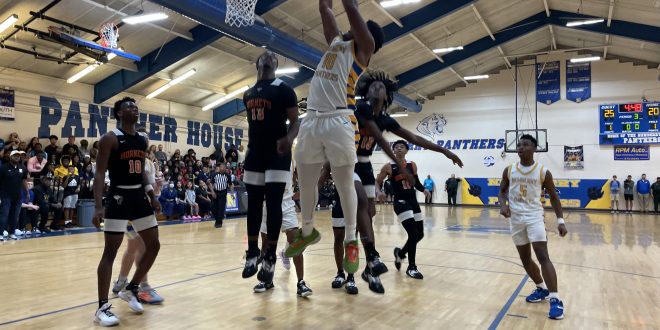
{"x":42,"y":184}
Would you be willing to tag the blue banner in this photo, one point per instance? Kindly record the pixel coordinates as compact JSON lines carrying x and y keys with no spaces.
{"x":578,"y":81}
{"x":575,"y":193}
{"x":548,"y":82}
{"x":7,"y":105}
{"x":637,"y":152}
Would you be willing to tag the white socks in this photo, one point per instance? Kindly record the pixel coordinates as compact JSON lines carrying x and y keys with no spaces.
{"x":553,"y":295}
{"x":345,"y":186}
{"x":542,"y":286}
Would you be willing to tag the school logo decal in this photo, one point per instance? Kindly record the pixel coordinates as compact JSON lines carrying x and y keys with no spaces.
{"x":432,"y":126}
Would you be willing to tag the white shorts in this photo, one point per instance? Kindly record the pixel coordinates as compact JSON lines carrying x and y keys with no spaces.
{"x":614,"y":196}
{"x":328,"y":137}
{"x":525,"y":231}
{"x":289,"y":218}
{"x":70,"y":202}
{"x":121,"y":226}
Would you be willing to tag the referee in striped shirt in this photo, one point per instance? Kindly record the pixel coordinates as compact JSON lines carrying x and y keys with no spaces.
{"x":220,"y":181}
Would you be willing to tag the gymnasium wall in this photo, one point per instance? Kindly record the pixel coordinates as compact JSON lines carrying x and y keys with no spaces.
{"x":47,"y":105}
{"x":482,"y":111}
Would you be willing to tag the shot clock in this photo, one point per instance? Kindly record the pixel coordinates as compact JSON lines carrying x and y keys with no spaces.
{"x":629,"y":123}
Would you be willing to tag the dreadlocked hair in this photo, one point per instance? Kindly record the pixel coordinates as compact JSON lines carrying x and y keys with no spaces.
{"x":373,"y":76}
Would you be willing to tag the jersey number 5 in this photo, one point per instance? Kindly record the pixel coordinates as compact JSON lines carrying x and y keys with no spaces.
{"x":134,"y":166}
{"x":523,"y":190}
{"x":257,"y":113}
{"x":329,"y":61}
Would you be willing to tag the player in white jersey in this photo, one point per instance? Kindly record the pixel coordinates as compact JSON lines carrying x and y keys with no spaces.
{"x":290,"y":228}
{"x":330,"y":132}
{"x":522,"y":185}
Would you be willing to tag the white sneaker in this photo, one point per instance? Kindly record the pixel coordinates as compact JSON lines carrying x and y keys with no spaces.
{"x":131,"y":299}
{"x":104,"y":316}
{"x":5,"y":233}
{"x":18,"y":232}
{"x":36,"y":231}
{"x":12,"y":236}
{"x":119,"y":285}
{"x":612,"y":212}
{"x":27,"y":233}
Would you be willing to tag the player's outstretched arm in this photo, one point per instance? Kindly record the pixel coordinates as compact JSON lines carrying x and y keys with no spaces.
{"x":363,"y":38}
{"x":384,"y":173}
{"x":502,"y":195}
{"x":424,"y":143}
{"x":330,"y":30}
{"x":373,"y":130}
{"x":549,"y":186}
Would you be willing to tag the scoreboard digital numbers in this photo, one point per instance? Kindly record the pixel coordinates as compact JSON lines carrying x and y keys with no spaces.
{"x":629,"y":123}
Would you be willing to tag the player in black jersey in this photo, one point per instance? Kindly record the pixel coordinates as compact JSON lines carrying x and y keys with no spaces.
{"x":269,"y":103}
{"x":377,"y":92}
{"x":406,"y":206}
{"x":122,"y":153}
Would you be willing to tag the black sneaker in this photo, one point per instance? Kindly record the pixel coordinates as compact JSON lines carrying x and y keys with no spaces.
{"x":351,"y":288}
{"x":377,"y":266}
{"x":339,"y":280}
{"x":374,"y":281}
{"x":44,"y":230}
{"x":414,"y":273}
{"x":263,"y":287}
{"x":250,"y":264}
{"x":218,"y":224}
{"x":397,"y":258}
{"x":303,"y":289}
{"x":267,"y":270}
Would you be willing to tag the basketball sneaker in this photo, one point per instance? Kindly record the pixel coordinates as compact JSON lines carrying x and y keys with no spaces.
{"x":537,"y":295}
{"x":556,"y":309}
{"x":218,"y":224}
{"x":150,"y":297}
{"x":303,"y":289}
{"x":397,"y":258}
{"x":119,"y":285}
{"x":351,"y":256}
{"x":5,"y":233}
{"x":250,"y":264}
{"x":300,"y":243}
{"x":133,"y":303}
{"x":351,"y":288}
{"x":104,"y":316}
{"x":286,"y":262}
{"x":374,"y":281}
{"x":263,"y":287}
{"x":376,"y":266}
{"x":339,"y":280}
{"x":414,"y":273}
{"x":267,"y":269}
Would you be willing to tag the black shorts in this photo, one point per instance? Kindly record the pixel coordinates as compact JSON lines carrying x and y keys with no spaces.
{"x":123,"y":205}
{"x":261,"y":167}
{"x":407,"y":208}
{"x":628,"y":197}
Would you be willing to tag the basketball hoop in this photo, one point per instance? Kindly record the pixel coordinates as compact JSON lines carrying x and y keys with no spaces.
{"x":109,"y":34}
{"x":240,"y":12}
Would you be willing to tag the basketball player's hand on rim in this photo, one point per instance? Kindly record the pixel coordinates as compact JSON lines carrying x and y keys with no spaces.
{"x":98,"y":215}
{"x":283,"y":146}
{"x":505,"y":211}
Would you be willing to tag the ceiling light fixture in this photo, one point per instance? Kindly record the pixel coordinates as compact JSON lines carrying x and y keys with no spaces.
{"x":477,"y":77}
{"x":82,"y":73}
{"x":9,"y":22}
{"x":585,"y":59}
{"x":447,"y":49}
{"x":286,"y":71}
{"x":585,"y":22}
{"x":395,"y":115}
{"x":137,"y":19}
{"x":172,"y":83}
{"x":393,"y":3}
{"x":225,"y":98}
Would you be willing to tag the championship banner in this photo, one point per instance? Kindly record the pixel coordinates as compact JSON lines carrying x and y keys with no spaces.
{"x":638,"y":152}
{"x":578,"y":81}
{"x":574,"y":158}
{"x":232,"y":202}
{"x":548,"y":82}
{"x":573,"y":193}
{"x":7,"y":105}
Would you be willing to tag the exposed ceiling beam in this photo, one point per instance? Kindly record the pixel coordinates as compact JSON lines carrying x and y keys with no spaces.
{"x":552,"y":37}
{"x":609,"y":14}
{"x":386,"y":13}
{"x":299,"y":25}
{"x":547,"y":8}
{"x":437,"y":57}
{"x":506,"y":59}
{"x":607,"y":41}
{"x":476,"y":13}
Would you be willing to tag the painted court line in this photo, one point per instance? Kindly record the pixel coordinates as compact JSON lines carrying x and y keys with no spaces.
{"x":94,"y":302}
{"x":505,"y":308}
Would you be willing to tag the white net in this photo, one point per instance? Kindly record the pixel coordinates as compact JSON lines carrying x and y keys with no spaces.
{"x":240,"y":12}
{"x":109,"y":35}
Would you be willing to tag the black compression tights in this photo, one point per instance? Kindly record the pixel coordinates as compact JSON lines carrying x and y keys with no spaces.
{"x":415,"y":230}
{"x":273,"y":193}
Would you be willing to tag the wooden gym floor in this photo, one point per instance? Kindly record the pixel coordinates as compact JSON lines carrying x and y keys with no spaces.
{"x":608,"y":267}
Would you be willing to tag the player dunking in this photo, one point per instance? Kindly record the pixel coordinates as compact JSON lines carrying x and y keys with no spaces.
{"x":122,"y":153}
{"x":329,"y":132}
{"x":522,"y":184}
{"x":267,"y":164}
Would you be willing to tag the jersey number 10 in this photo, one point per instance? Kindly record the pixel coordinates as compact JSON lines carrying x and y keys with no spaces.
{"x":134,"y":166}
{"x":329,"y":61}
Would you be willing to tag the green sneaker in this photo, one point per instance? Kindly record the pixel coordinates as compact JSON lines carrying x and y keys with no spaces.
{"x":351,"y":256}
{"x":300,"y":243}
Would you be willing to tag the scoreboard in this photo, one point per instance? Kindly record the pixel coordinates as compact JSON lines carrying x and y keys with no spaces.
{"x":629,"y":123}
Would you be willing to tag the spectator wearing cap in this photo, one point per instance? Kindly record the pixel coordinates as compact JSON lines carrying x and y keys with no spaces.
{"x":51,"y":149}
{"x":13,"y":176}
{"x":36,"y":164}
